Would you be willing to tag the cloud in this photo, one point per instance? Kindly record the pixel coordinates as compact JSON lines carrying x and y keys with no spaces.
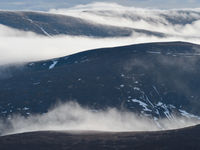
{"x":18,"y":47}
{"x":178,"y":25}
{"x":174,"y":22}
{"x":72,"y":116}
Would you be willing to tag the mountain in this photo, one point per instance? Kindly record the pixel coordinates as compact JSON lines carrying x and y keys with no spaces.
{"x":174,"y":17}
{"x":52,"y":24}
{"x":184,"y":139}
{"x":158,"y":80}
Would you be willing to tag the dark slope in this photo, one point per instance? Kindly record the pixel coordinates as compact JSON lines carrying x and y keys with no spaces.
{"x":51,"y":24}
{"x":155,"y":79}
{"x":183,"y":139}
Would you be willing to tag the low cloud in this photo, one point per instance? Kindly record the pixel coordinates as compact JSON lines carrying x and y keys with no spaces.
{"x":178,"y":25}
{"x":19,"y":46}
{"x":72,"y":116}
{"x":179,"y":22}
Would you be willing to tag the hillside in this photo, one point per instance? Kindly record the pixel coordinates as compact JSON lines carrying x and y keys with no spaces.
{"x":156,"y":80}
{"x":89,"y":140}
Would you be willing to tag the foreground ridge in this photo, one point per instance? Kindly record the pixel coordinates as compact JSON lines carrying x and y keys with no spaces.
{"x":184,"y":139}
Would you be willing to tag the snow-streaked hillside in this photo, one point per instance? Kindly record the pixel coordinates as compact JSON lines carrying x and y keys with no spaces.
{"x":155,"y":80}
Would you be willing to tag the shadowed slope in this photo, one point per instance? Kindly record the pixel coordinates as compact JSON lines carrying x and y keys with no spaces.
{"x":184,"y":139}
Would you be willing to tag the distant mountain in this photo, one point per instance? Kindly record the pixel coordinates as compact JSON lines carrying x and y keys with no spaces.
{"x":183,"y":139}
{"x":51,"y":24}
{"x":158,"y":80}
{"x":151,"y":16}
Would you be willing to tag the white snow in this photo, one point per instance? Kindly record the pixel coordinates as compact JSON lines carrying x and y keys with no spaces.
{"x":26,"y":108}
{"x":31,"y":64}
{"x":36,"y":83}
{"x":46,"y":33}
{"x":153,"y":52}
{"x":29,"y":20}
{"x":156,"y":90}
{"x":166,"y":110}
{"x":122,"y":75}
{"x":122,"y":85}
{"x":159,"y":104}
{"x":136,"y":88}
{"x":167,"y":114}
{"x":53,"y":65}
{"x":149,"y":101}
{"x":172,"y":106}
{"x":188,"y":115}
{"x":144,"y":105}
{"x":157,"y":112}
{"x":42,"y":29}
{"x":157,"y":123}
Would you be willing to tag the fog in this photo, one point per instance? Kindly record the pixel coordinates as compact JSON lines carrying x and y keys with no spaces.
{"x":176,"y":22}
{"x":72,"y":116}
{"x":19,"y":46}
{"x":178,"y":25}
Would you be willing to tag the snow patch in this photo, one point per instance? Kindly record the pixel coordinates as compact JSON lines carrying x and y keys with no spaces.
{"x":26,"y":108}
{"x":31,"y":64}
{"x":188,"y":115}
{"x":136,"y":88}
{"x":153,"y":52}
{"x":36,"y":83}
{"x":53,"y":65}
{"x":122,"y":85}
{"x":144,"y":105}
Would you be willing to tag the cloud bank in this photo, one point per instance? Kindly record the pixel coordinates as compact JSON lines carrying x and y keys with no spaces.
{"x":178,"y":25}
{"x":72,"y":116}
{"x":179,"y":22}
{"x":18,"y":47}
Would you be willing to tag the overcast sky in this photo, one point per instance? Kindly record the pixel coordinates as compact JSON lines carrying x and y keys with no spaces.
{"x":48,"y":4}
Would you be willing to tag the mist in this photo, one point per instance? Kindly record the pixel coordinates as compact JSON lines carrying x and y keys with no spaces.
{"x":72,"y":116}
{"x":177,"y":25}
{"x":18,"y":47}
{"x":176,"y":22}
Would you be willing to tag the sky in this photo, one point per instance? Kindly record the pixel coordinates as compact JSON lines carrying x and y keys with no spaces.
{"x":44,"y":5}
